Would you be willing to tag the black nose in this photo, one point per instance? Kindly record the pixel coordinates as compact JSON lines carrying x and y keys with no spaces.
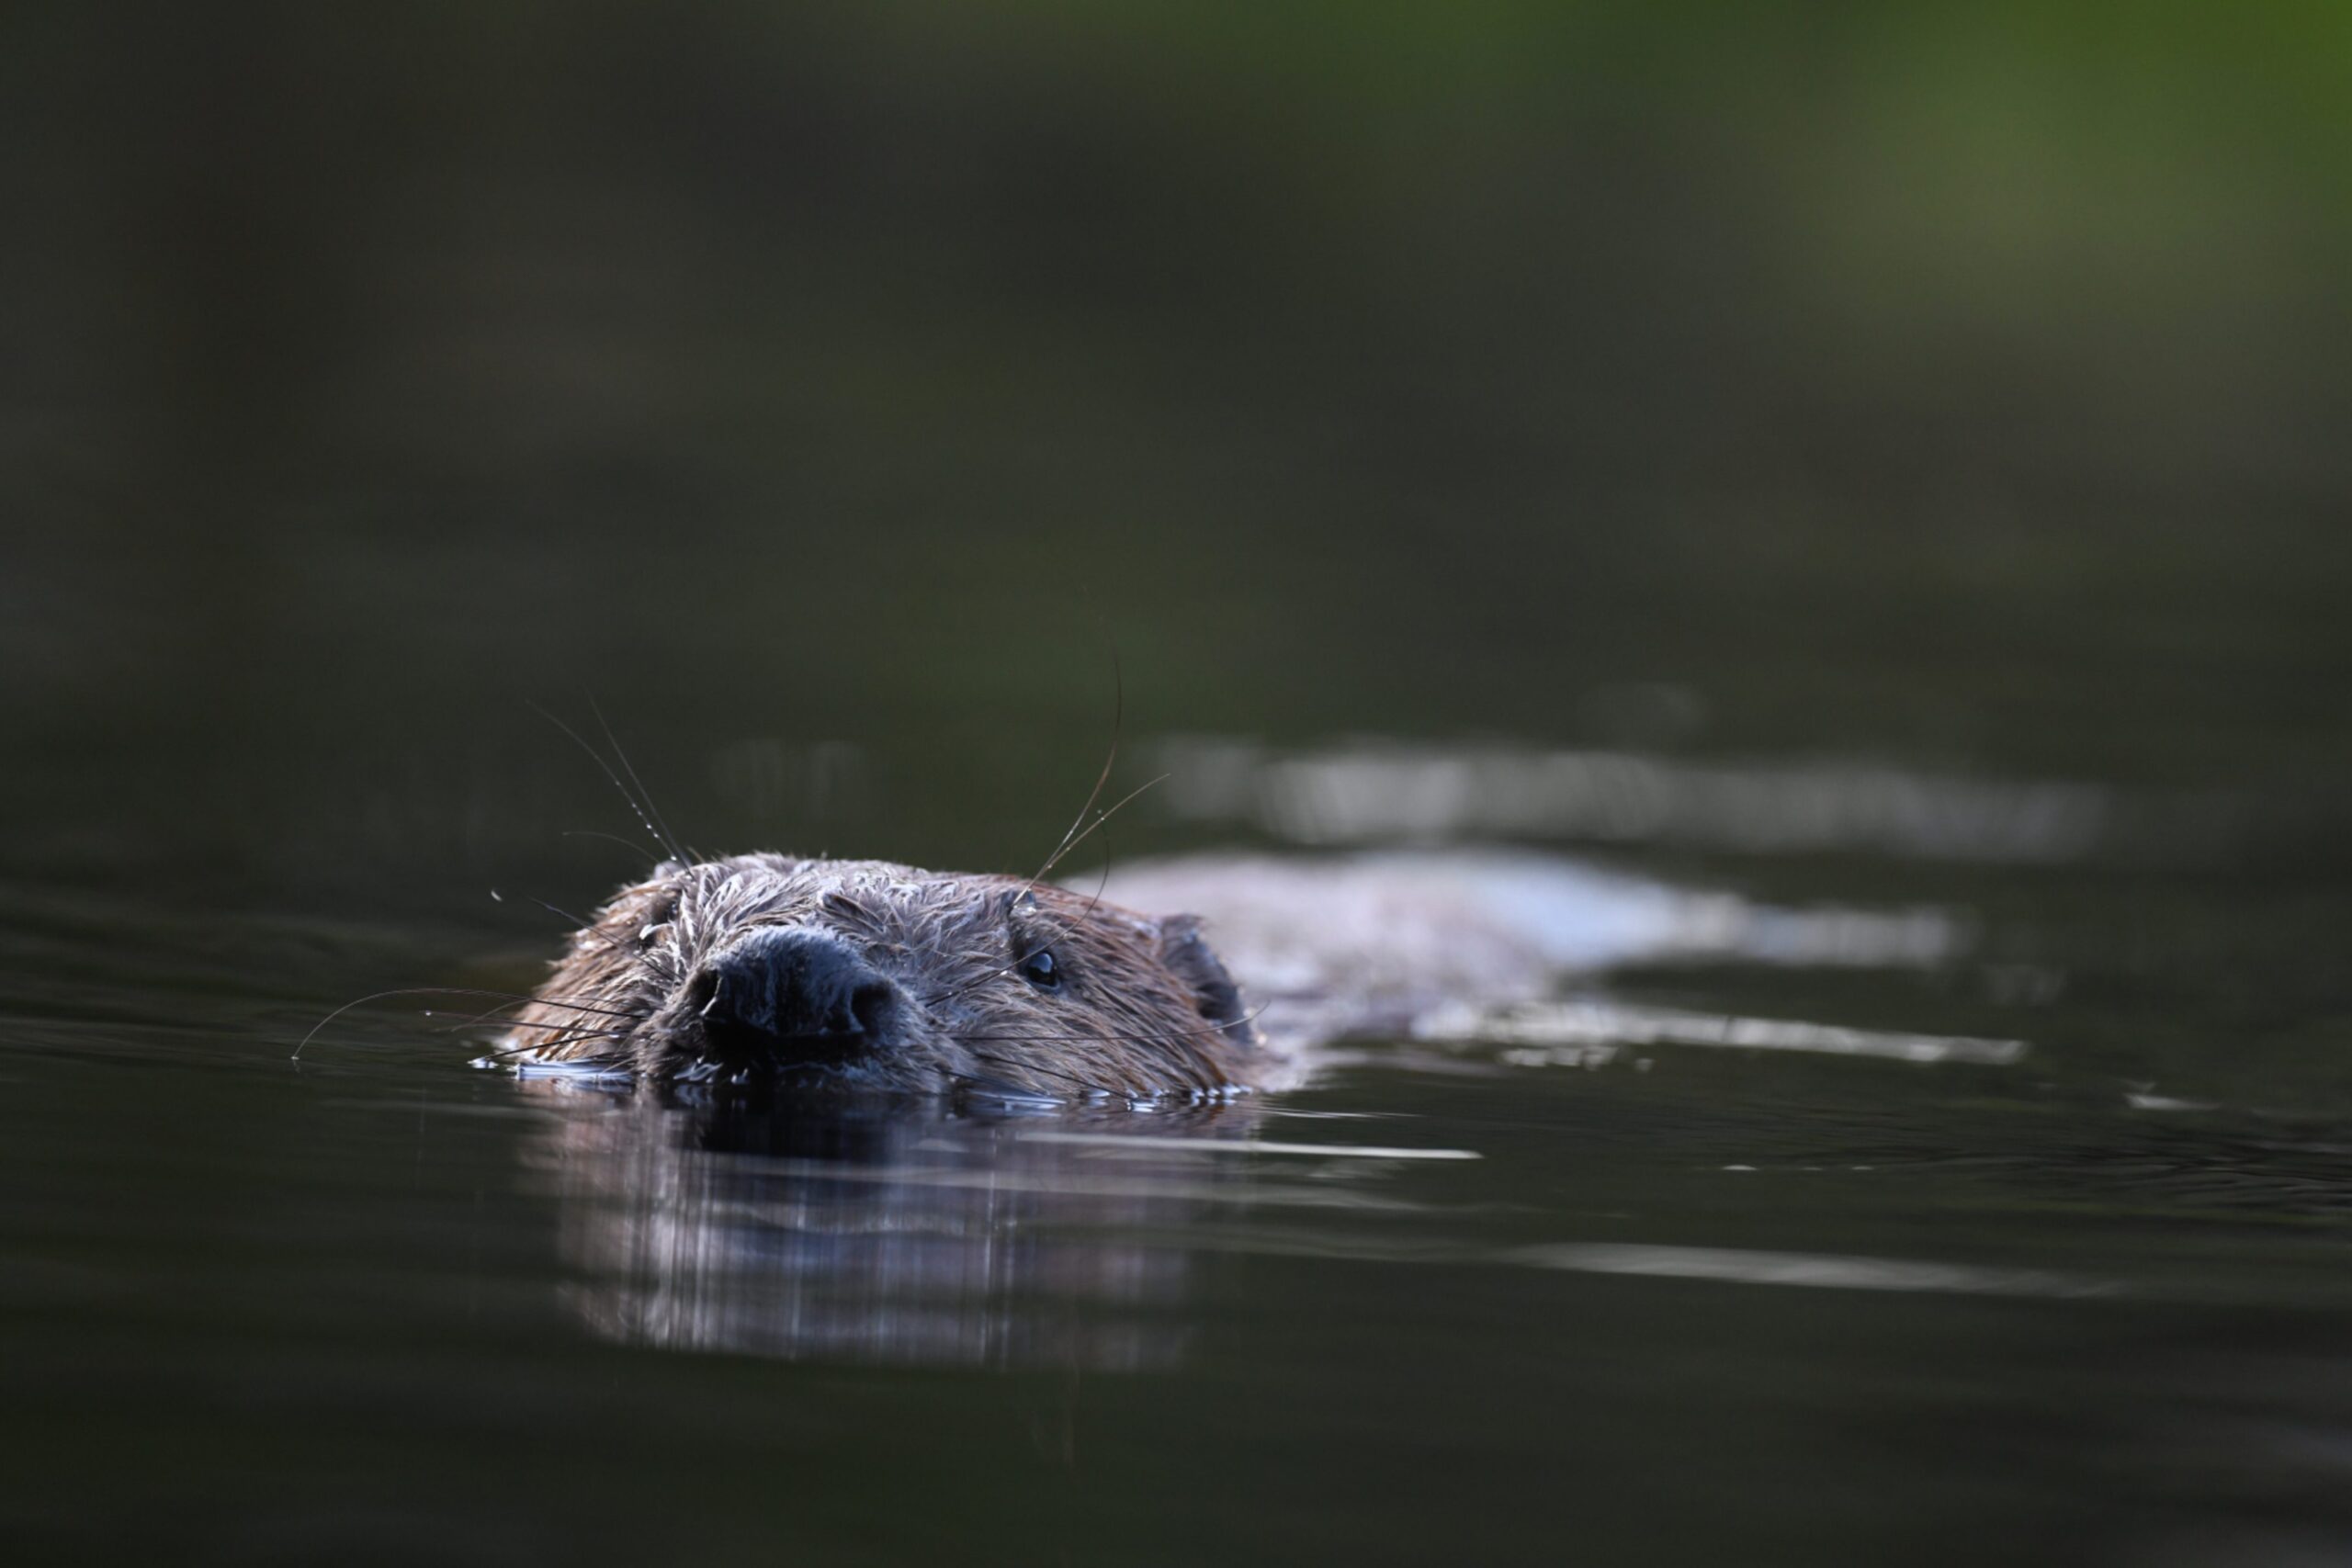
{"x":792,"y":995}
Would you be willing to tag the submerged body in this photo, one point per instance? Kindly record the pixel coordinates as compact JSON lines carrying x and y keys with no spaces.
{"x":865,"y":973}
{"x":869,"y":974}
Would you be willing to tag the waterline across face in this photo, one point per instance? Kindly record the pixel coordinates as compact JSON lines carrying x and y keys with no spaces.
{"x":868,"y":975}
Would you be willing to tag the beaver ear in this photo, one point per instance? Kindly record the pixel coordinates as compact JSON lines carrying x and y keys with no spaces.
{"x":1186,"y":953}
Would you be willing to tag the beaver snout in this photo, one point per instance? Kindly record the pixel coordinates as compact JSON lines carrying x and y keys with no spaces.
{"x":790,"y":996}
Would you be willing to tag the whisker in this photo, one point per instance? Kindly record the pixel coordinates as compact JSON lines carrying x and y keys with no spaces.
{"x":1118,"y":718}
{"x":498,"y":897}
{"x":643,"y":794}
{"x":629,"y":844}
{"x":1105,"y":816}
{"x":1064,"y":928}
{"x":1153,"y":1038}
{"x":451,"y":991}
{"x":573,"y":1038}
{"x":668,"y":846}
{"x":1043,"y":1071}
{"x":1157,"y":1036}
{"x":488,"y":1013}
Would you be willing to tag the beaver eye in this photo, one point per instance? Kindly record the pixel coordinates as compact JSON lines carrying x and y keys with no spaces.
{"x":660,"y":921}
{"x":1041,"y":970}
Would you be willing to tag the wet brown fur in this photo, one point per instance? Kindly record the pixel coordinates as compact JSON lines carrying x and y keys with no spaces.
{"x":1143,"y":1007}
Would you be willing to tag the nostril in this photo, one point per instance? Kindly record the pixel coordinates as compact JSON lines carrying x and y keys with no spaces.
{"x":703,"y":993}
{"x":734,"y":1002}
{"x":790,"y":995}
{"x":870,"y":1006}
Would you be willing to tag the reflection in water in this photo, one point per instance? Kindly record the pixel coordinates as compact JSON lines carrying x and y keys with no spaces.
{"x":1747,"y":1266}
{"x":1366,"y":794}
{"x":898,"y":1233}
{"x":1413,"y":942}
{"x":1587,"y":1031}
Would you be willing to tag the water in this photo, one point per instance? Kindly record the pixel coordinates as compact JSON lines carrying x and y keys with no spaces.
{"x":1627,"y":1295}
{"x":1863,"y":510}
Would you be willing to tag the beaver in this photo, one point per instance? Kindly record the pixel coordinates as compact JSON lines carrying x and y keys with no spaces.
{"x":868,"y":975}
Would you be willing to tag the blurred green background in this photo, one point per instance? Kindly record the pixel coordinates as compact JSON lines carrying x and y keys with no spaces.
{"x":1959,"y":385}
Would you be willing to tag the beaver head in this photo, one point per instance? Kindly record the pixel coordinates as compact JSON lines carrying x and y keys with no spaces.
{"x":865,"y":974}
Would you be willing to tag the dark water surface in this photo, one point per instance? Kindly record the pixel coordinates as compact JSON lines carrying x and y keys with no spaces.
{"x":1663,"y":1301}
{"x":1891,"y":468}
